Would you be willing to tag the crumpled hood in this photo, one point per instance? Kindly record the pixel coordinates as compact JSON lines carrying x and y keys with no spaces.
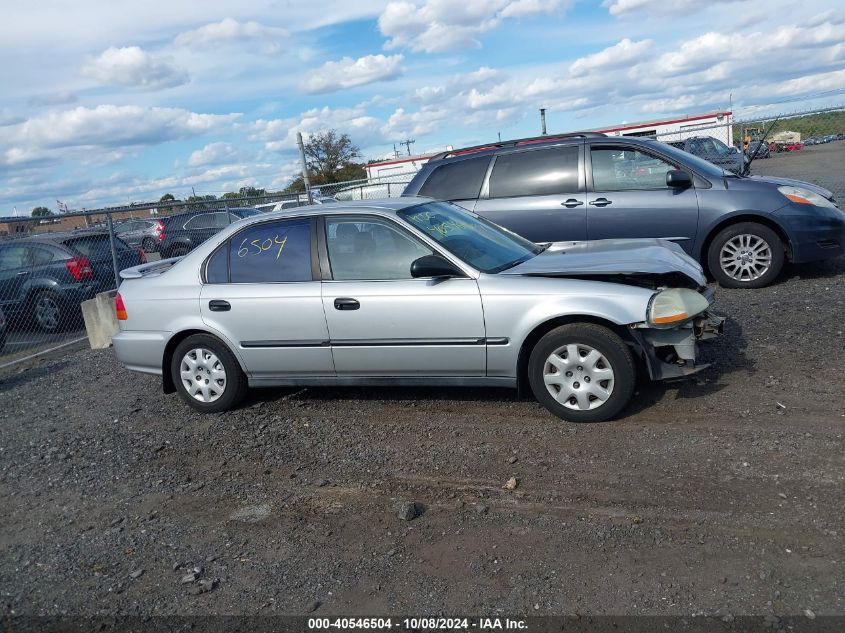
{"x":776,"y":180}
{"x":612,"y":257}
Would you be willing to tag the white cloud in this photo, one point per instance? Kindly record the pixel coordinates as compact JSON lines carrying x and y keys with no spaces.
{"x":229,"y":30}
{"x":621,"y":7}
{"x":106,"y":126}
{"x":623,"y":53}
{"x":134,"y":67}
{"x":279,"y":135}
{"x":436,"y":26}
{"x":348,"y":73}
{"x":213,"y":154}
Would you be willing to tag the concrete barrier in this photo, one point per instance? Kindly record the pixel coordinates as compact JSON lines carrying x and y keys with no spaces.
{"x":100,"y":319}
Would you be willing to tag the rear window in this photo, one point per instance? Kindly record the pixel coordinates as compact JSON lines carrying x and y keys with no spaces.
{"x":460,"y":180}
{"x":535,"y":173}
{"x":95,"y":246}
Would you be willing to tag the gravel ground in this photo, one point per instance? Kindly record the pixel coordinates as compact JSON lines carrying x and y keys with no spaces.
{"x":719,"y":496}
{"x":820,"y":164}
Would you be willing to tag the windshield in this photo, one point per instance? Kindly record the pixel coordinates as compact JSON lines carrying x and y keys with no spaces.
{"x":699,"y":164}
{"x":483,"y":245}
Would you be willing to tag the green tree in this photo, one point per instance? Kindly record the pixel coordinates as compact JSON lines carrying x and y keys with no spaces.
{"x":168,"y":197}
{"x":330,"y":157}
{"x":251,"y":192}
{"x":40,"y":212}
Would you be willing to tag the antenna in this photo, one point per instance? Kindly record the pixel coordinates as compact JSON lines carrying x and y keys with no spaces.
{"x":407,"y":143}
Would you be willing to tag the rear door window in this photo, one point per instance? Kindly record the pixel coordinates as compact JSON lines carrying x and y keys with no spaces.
{"x":460,"y":180}
{"x":270,"y":252}
{"x":12,"y":257}
{"x":535,"y":173}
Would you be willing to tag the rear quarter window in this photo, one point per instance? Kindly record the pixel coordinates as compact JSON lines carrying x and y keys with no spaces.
{"x":271,"y":252}
{"x":460,"y":180}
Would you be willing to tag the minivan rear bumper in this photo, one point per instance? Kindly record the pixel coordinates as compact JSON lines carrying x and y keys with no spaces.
{"x":815,"y":233}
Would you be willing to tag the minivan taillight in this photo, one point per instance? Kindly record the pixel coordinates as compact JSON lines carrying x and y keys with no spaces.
{"x":80,"y":268}
{"x":120,"y":308}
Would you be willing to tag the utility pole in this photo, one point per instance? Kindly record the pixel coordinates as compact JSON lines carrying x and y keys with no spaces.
{"x":395,"y":151}
{"x":543,"y":121}
{"x":407,"y":143}
{"x":304,"y":166}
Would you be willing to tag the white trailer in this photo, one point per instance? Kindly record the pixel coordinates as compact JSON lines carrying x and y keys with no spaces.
{"x":716,"y":124}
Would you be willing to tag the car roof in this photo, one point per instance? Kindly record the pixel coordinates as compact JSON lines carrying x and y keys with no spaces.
{"x":61,"y":236}
{"x":386,"y":206}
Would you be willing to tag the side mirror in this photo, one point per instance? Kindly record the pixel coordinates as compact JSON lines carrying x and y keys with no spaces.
{"x":433,"y":266}
{"x":678,"y":179}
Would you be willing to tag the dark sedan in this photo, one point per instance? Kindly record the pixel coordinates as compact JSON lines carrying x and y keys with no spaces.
{"x":44,"y":278}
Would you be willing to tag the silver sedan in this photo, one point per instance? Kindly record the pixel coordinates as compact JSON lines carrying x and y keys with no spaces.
{"x":413,"y":292}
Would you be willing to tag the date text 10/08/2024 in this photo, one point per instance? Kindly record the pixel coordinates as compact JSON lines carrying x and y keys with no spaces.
{"x":417,"y":624}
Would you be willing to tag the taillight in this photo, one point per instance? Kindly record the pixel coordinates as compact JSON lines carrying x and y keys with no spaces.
{"x":80,"y":268}
{"x":159,"y":228}
{"x":120,"y":308}
{"x":142,"y":256}
{"x":161,"y":236}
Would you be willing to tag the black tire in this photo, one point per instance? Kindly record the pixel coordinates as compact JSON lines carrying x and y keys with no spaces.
{"x":149,"y":245}
{"x":48,"y":312}
{"x":233,"y":389}
{"x":616,"y":356}
{"x":774,"y":247}
{"x":180,"y":250}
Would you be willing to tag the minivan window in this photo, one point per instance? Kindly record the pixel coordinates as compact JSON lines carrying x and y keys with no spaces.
{"x":460,"y":180}
{"x":271,"y":252}
{"x":623,"y":168}
{"x":535,"y":173}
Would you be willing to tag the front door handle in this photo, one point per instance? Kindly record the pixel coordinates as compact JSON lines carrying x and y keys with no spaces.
{"x":572,"y":203}
{"x":24,"y":272}
{"x":345,"y":303}
{"x":218,"y":305}
{"x":601,"y":202}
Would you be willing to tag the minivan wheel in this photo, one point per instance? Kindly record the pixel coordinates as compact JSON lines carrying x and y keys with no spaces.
{"x":207,"y":375}
{"x":746,"y":255}
{"x":582,"y":372}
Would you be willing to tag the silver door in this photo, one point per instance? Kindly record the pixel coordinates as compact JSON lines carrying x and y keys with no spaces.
{"x":267,"y":302}
{"x":381,"y":321}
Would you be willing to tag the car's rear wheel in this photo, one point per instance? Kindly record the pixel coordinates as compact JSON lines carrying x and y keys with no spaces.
{"x":149,"y":245}
{"x":582,"y":372}
{"x":48,"y":311}
{"x":746,"y":255}
{"x":207,"y":375}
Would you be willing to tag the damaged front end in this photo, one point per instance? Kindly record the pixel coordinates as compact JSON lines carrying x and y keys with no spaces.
{"x":669,"y":338}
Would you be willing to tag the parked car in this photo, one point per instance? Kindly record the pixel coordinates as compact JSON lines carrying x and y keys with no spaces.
{"x":146,"y":234}
{"x":714,"y":151}
{"x":299,"y":201}
{"x":591,"y":186}
{"x":413,"y":292}
{"x":44,"y":278}
{"x":185,"y":231}
{"x":758,"y":150}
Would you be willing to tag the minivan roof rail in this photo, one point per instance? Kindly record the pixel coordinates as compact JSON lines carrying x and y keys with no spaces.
{"x":515,"y":143}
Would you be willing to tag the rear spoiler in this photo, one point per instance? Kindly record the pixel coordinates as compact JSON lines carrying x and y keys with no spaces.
{"x":152,"y":268}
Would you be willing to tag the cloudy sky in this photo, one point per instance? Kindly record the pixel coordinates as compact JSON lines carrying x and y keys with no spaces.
{"x":111,"y":102}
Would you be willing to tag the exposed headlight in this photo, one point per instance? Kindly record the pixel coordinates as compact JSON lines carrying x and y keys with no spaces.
{"x":805,"y":196}
{"x":675,"y":305}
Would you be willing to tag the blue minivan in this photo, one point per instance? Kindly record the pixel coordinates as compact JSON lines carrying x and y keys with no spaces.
{"x":589,"y":186}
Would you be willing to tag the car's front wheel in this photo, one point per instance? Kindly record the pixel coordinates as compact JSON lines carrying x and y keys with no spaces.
{"x":582,"y":372}
{"x":746,"y":255}
{"x":207,"y":375}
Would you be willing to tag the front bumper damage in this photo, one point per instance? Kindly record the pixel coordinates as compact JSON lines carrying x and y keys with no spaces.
{"x":672,"y":353}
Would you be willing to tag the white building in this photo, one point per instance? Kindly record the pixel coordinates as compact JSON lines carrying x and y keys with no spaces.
{"x":716,"y":124}
{"x":394,"y":166}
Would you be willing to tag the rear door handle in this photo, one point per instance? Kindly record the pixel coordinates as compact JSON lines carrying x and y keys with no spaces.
{"x":572,"y":203}
{"x":218,"y":305}
{"x":601,"y":202}
{"x":345,"y":303}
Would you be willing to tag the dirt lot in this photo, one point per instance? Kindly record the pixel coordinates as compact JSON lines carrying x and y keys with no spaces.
{"x":718,"y":496}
